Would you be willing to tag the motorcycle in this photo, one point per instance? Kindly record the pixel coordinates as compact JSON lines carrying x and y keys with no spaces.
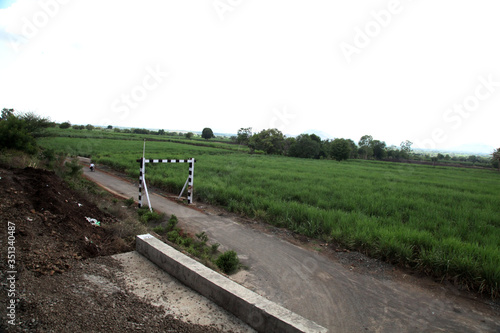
{"x":92,"y":168}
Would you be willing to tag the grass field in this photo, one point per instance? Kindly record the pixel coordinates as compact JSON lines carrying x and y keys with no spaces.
{"x":439,"y":220}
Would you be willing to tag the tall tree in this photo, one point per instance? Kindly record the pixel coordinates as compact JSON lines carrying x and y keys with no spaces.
{"x":305,"y":146}
{"x":496,"y":157}
{"x":365,"y":146}
{"x":354,"y":148}
{"x":207,"y":133}
{"x":272,"y":141}
{"x":406,"y":148}
{"x":315,"y":138}
{"x":244,"y":135}
{"x":378,"y":148}
{"x":340,"y":149}
{"x":6,"y":113}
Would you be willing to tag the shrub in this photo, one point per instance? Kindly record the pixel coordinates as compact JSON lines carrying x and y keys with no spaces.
{"x":215,"y":247}
{"x":129,"y":202}
{"x":228,"y":262}
{"x":145,"y":215}
{"x":172,"y":222}
{"x":159,"y":230}
{"x":150,"y":216}
{"x":65,"y":125}
{"x":173,"y":236}
{"x":14,"y":135}
{"x":187,"y":241}
{"x":73,"y":168}
{"x":143,"y":210}
{"x":202,"y":236}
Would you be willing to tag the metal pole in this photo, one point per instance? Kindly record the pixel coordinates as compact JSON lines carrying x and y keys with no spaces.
{"x":183,"y":188}
{"x":190,"y":180}
{"x":141,"y":161}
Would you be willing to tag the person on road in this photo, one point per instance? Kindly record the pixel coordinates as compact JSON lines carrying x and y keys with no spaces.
{"x":92,"y":166}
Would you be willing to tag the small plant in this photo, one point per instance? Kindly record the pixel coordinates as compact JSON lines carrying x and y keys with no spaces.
{"x":143,"y":210}
{"x":228,"y":262}
{"x":215,"y":247}
{"x":173,"y":236}
{"x":202,"y":236}
{"x":187,"y":241}
{"x":191,"y":250}
{"x":146,"y":216}
{"x":129,"y":202}
{"x":172,"y":222}
{"x":150,"y":216}
{"x":73,"y":168}
{"x":159,"y":230}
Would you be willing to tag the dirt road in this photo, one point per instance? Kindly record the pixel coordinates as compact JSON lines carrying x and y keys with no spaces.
{"x":345,"y":292}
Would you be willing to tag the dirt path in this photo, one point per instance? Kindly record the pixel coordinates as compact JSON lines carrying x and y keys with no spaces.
{"x":345,"y":292}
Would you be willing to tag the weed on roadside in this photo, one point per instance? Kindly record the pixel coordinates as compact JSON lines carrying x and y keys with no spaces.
{"x":228,"y":262}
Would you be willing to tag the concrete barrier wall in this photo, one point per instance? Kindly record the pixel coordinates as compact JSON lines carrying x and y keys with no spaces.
{"x":257,"y":311}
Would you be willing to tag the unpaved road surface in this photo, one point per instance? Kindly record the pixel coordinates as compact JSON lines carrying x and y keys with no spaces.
{"x":342,"y":291}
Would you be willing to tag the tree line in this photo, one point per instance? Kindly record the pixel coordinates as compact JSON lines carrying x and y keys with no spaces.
{"x":272,"y":141}
{"x":20,"y":132}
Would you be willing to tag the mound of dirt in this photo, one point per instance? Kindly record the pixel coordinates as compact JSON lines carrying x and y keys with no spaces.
{"x":52,"y":222}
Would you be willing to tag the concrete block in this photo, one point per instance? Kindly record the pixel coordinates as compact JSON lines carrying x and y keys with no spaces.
{"x":257,"y":311}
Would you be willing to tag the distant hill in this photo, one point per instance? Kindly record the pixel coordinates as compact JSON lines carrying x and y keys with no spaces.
{"x":474,"y":148}
{"x":321,"y":134}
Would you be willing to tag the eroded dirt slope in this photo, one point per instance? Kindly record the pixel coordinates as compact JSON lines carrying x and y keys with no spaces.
{"x":63,"y":282}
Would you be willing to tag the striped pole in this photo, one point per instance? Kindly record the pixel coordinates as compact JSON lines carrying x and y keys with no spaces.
{"x":190,"y":180}
{"x":141,"y":170}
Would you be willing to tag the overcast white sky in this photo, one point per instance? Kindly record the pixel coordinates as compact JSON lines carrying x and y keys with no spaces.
{"x":422,"y":70}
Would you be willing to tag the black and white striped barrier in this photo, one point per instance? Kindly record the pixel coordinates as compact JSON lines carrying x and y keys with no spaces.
{"x":189,"y":180}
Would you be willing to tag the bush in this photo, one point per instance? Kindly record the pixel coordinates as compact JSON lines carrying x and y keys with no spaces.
{"x":173,"y":236}
{"x":129,"y":202}
{"x":14,"y":135}
{"x":159,"y":230}
{"x":172,"y":222}
{"x":145,"y":215}
{"x":228,"y":262}
{"x":202,"y":236}
{"x":215,"y":247}
{"x":150,"y":216}
{"x":73,"y":168}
